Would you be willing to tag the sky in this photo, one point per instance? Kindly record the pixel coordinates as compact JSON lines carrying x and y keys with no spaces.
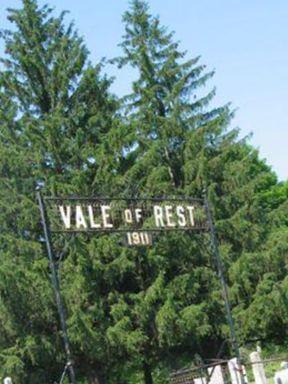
{"x":244,"y":41}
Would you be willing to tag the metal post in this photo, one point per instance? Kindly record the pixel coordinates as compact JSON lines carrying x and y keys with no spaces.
{"x":220,"y":268}
{"x":56,"y":286}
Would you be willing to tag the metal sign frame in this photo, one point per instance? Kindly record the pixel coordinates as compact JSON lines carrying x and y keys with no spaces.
{"x":208,"y":226}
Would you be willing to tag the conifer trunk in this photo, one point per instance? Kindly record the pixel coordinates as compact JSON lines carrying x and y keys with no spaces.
{"x":94,"y":378}
{"x":147,"y":374}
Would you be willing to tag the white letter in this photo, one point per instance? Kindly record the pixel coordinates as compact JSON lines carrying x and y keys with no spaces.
{"x":138,"y":214}
{"x":91,"y":217}
{"x":191,"y":214}
{"x":105,"y":216}
{"x":181,"y":217}
{"x":80,"y":220}
{"x":158,"y":215}
{"x":66,"y":216}
{"x":169,"y":215}
{"x":128,"y":216}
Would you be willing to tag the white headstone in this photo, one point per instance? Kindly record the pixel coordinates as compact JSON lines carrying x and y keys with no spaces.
{"x":235,"y":371}
{"x":281,"y":377}
{"x":258,"y":368}
{"x":200,"y":380}
{"x":7,"y":380}
{"x":217,"y":375}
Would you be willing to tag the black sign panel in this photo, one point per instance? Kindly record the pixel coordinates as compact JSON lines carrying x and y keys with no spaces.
{"x":78,"y":214}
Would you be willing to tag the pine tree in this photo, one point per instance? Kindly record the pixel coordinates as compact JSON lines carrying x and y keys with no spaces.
{"x":260,"y":277}
{"x":58,"y":121}
{"x":181,"y":146}
{"x":132,"y":314}
{"x":174,"y":308}
{"x":164,"y":105}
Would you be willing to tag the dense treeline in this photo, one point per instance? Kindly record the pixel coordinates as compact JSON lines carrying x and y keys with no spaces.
{"x":133,"y":315}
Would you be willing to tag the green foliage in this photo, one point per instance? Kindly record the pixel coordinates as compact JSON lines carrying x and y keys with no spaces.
{"x":57,"y":122}
{"x":133,"y":315}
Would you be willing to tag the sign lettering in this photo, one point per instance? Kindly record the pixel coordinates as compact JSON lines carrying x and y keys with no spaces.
{"x":136,"y":217}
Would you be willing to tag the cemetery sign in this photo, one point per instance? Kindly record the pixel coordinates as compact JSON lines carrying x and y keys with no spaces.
{"x":137,"y":218}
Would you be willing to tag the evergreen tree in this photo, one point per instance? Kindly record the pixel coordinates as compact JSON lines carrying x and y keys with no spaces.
{"x":180,"y":147}
{"x":133,"y":314}
{"x":164,"y":105}
{"x":260,"y":277}
{"x":58,"y":121}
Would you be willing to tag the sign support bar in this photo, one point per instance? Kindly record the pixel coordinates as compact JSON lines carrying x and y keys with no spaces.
{"x":220,"y":268}
{"x":56,"y":286}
